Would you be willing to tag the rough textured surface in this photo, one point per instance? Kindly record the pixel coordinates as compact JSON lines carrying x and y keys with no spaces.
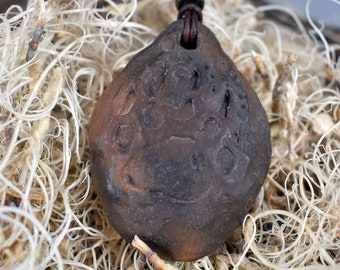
{"x":180,"y":146}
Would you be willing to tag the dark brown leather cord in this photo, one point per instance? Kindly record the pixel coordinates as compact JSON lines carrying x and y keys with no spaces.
{"x":181,"y":3}
{"x":192,"y":14}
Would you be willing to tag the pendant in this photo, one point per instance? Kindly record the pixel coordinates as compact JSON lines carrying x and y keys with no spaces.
{"x":180,"y":143}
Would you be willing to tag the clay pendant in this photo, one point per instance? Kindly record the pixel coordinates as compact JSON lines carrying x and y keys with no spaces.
{"x":180,"y":146}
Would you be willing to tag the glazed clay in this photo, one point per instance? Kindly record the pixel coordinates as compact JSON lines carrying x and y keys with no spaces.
{"x":180,"y":146}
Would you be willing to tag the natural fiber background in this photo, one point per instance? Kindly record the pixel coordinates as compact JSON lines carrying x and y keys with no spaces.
{"x":56,"y":59}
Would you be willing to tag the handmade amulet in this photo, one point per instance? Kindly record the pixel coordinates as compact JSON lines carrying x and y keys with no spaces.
{"x":180,"y":146}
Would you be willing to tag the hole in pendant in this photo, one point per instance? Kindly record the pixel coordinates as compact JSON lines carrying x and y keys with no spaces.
{"x":189,"y":34}
{"x":189,"y":45}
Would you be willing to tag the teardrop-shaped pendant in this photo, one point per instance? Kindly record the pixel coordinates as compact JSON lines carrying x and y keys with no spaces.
{"x":180,"y":145}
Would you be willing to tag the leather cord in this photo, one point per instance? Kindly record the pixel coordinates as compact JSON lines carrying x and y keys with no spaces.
{"x":191,"y":11}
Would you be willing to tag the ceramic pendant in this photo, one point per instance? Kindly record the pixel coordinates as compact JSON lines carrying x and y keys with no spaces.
{"x":180,"y":146}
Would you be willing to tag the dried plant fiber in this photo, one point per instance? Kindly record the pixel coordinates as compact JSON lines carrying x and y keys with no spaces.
{"x":57,"y":57}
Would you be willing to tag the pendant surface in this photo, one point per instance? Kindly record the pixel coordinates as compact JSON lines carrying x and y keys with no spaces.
{"x":180,"y":146}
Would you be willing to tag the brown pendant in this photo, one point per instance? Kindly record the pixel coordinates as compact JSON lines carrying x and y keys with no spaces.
{"x":180,"y":146}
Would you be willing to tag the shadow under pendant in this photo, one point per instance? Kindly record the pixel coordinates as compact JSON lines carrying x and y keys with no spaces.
{"x":180,"y":146}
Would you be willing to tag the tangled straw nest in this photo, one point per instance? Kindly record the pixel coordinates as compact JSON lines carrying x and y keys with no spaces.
{"x":56,"y":59}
